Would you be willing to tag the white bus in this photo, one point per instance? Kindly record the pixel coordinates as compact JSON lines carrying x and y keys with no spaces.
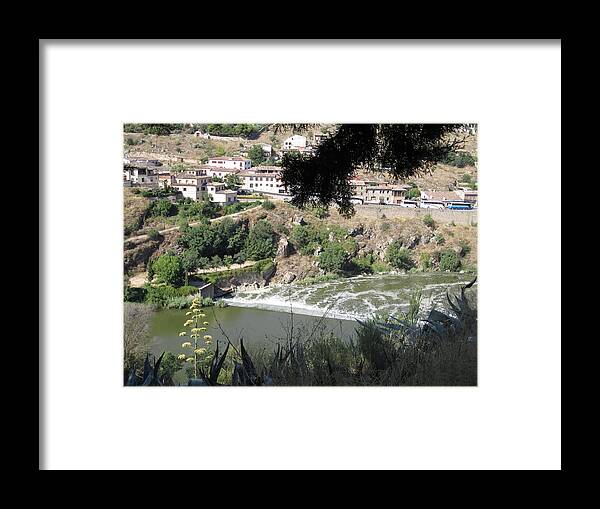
{"x":431,"y":204}
{"x":412,"y":204}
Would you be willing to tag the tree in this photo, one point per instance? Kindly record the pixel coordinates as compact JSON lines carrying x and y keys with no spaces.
{"x":333,"y":258}
{"x":402,"y":150}
{"x":206,"y":240}
{"x":160,"y":129}
{"x":398,"y":256}
{"x":413,"y":193}
{"x":169,"y":269}
{"x":256,"y":155}
{"x":162,"y":208}
{"x":260,"y":243}
{"x":190,"y":261}
{"x":233,"y":181}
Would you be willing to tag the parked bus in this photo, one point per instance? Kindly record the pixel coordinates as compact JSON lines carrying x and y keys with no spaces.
{"x":459,"y":205}
{"x":411,"y":204}
{"x":431,"y":204}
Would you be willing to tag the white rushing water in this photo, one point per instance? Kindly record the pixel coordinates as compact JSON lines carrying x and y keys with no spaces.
{"x":356,"y":297}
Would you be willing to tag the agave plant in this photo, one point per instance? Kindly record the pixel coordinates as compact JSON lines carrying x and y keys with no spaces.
{"x":245,"y":373}
{"x":211,"y":376}
{"x":150,"y":374}
{"x":461,"y":322}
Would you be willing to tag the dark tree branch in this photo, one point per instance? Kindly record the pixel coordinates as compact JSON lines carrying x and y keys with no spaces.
{"x":400,"y":150}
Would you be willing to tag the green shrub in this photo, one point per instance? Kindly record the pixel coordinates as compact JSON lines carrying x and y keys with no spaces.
{"x":379,"y":266}
{"x":466,"y":247}
{"x":268,"y":205}
{"x":320,"y":211}
{"x":153,"y":234}
{"x":413,"y":193}
{"x":362,"y":265}
{"x":135,"y":294}
{"x":449,"y":260}
{"x":399,"y":257}
{"x":429,"y":222}
{"x":305,"y":238}
{"x":425,"y":261}
{"x":333,"y":258}
{"x":460,"y":159}
{"x":162,"y":208}
{"x":440,"y":239}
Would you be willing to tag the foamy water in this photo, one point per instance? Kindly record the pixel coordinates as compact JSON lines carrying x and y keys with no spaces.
{"x":356,"y":297}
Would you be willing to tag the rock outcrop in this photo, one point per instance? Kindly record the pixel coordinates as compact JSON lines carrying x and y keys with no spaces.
{"x":284,"y":248}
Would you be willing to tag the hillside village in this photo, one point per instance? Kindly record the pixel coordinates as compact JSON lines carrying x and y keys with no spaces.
{"x":227,"y":179}
{"x":201,"y":186}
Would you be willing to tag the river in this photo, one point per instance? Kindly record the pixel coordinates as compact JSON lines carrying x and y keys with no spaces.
{"x":262,"y":316}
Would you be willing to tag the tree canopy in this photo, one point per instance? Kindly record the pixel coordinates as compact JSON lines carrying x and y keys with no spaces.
{"x":401,"y":150}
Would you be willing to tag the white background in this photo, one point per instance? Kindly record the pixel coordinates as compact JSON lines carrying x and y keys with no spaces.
{"x":510,"y":421}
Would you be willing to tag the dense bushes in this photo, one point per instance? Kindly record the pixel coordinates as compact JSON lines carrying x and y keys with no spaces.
{"x":260,"y":243}
{"x":221,"y":238}
{"x":399,"y":257}
{"x":230,"y":129}
{"x":160,"y":129}
{"x":155,"y":192}
{"x":167,"y":269}
{"x":161,"y":295}
{"x":460,"y":159}
{"x":367,"y":264}
{"x":334,"y":258}
{"x":162,"y":208}
{"x":306,"y":238}
{"x":198,"y":209}
{"x":449,"y":260}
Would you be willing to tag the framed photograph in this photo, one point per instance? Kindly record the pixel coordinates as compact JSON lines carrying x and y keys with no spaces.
{"x":300,"y":254}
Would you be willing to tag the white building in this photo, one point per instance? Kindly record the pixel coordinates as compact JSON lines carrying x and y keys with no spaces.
{"x":263,"y":179}
{"x":267,"y":150}
{"x":220,"y":172}
{"x":140,"y":176}
{"x":218,"y":193}
{"x":294,"y":142}
{"x":195,"y":172}
{"x":192,"y":187}
{"x":231,"y":163}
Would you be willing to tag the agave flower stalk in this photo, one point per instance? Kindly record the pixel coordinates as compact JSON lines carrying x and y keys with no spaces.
{"x":197,"y":327}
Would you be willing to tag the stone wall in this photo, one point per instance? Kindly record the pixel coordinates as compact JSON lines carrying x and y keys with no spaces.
{"x":442,"y":216}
